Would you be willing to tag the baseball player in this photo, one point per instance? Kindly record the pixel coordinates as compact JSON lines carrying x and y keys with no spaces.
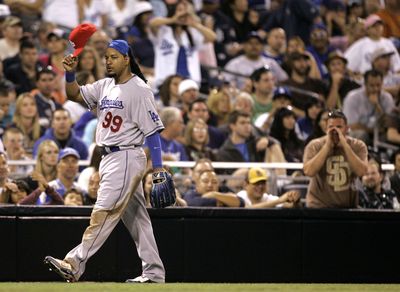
{"x":126,"y":115}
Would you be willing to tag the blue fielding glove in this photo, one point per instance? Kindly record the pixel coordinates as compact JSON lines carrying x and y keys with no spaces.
{"x":163,"y":190}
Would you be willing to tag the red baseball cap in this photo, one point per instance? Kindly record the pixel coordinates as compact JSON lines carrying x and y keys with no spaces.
{"x":80,"y":35}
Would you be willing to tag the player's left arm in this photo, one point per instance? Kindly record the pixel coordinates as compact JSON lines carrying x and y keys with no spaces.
{"x":163,"y":190}
{"x":154,"y":143}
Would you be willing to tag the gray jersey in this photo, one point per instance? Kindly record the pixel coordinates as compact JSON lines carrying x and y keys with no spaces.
{"x":126,"y":112}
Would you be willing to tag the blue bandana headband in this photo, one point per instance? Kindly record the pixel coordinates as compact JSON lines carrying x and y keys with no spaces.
{"x":120,"y":45}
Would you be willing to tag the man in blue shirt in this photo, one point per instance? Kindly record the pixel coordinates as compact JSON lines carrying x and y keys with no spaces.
{"x":206,"y":193}
{"x":241,"y":146}
{"x":61,"y":133}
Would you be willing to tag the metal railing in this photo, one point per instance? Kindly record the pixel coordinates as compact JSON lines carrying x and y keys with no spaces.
{"x":217,"y":165}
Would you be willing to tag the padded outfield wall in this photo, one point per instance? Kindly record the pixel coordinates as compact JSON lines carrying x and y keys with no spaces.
{"x":214,"y":245}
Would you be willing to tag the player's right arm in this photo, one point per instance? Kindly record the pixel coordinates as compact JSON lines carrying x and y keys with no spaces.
{"x":71,"y":86}
{"x":314,"y":159}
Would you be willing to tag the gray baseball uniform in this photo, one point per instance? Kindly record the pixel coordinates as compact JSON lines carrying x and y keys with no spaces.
{"x":126,"y":115}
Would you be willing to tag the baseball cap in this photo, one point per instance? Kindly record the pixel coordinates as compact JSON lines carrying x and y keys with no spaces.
{"x":282,"y":91}
{"x":80,"y":35}
{"x":119,"y":45}
{"x":256,"y":175}
{"x":253,"y":35}
{"x":11,"y":21}
{"x":141,"y":7}
{"x":58,"y":33}
{"x":381,"y":52}
{"x":68,"y":151}
{"x":320,"y":26}
{"x":336,"y":54}
{"x":187,"y":84}
{"x":371,"y":20}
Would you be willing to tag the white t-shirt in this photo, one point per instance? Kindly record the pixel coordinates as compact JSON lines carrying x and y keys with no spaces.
{"x":166,"y":53}
{"x":94,"y":12}
{"x":6,"y":51}
{"x":64,"y":13}
{"x":245,"y":66}
{"x":265,"y":198}
{"x":126,"y":112}
{"x":118,"y":17}
{"x":359,"y":54}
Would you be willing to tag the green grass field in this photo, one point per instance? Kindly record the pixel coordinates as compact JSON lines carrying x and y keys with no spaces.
{"x":177,"y":287}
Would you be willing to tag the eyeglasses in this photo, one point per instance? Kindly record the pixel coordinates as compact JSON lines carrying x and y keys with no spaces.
{"x":46,"y":68}
{"x":337,"y":114}
{"x":267,"y":68}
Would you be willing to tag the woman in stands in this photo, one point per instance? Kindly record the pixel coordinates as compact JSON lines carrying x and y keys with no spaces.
{"x":219,"y":104}
{"x":305,"y":125}
{"x":319,"y":129}
{"x":138,"y":36}
{"x":26,"y":118}
{"x":168,"y":93}
{"x":283,"y":129}
{"x":177,"y":39}
{"x":196,"y":140}
{"x":46,"y":163}
{"x":89,"y":61}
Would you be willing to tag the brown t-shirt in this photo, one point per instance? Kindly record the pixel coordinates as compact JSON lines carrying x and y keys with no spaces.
{"x":333,"y":185}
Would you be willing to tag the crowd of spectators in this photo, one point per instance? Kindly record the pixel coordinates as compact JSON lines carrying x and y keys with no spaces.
{"x":233,"y":80}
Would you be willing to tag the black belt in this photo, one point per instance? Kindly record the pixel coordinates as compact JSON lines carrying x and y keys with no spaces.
{"x":110,"y":149}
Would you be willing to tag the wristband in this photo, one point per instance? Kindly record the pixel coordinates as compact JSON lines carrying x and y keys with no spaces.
{"x":154,"y":143}
{"x":70,"y":76}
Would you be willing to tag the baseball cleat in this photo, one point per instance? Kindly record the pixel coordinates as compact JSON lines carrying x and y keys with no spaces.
{"x":62,"y":268}
{"x":140,"y":280}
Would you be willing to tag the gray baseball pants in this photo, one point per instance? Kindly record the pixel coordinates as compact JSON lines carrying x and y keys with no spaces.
{"x":120,"y":196}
